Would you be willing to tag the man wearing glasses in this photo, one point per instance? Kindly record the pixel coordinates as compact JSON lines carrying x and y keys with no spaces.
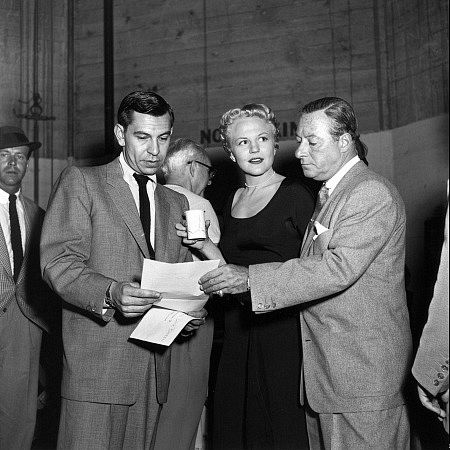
{"x":187,"y":169}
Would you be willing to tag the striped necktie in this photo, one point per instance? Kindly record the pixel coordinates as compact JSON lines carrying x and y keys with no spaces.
{"x":322,"y":197}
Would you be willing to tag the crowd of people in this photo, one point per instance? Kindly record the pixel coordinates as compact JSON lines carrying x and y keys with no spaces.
{"x":317,"y":346}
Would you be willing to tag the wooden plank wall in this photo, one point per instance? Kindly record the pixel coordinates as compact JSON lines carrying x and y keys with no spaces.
{"x":208,"y":56}
{"x":415,"y":44}
{"x":9,"y":55}
{"x":389,"y":57}
{"x":16,"y":65}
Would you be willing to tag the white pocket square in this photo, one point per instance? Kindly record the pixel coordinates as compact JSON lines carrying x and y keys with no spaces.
{"x":319,"y":229}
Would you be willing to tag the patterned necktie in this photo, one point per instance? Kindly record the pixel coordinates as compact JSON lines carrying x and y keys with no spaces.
{"x":144,"y":210}
{"x":16,"y":238}
{"x":322,"y":197}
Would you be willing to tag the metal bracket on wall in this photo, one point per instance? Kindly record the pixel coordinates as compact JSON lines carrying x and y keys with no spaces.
{"x":35,"y":113}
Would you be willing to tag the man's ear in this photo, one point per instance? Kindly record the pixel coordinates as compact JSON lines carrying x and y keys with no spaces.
{"x":192,"y":169}
{"x":344,"y":142}
{"x":120,"y":134}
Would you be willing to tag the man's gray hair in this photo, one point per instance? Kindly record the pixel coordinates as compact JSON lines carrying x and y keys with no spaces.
{"x":180,"y":152}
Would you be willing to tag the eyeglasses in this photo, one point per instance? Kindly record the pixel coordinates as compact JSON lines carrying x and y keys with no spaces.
{"x":212,"y":171}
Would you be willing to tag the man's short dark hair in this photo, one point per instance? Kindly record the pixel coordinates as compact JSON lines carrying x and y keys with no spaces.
{"x":344,"y":120}
{"x":144,"y":102}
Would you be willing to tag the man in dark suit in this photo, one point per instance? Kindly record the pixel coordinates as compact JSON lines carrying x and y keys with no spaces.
{"x":349,"y":279}
{"x":100,"y":225}
{"x":22,"y":294}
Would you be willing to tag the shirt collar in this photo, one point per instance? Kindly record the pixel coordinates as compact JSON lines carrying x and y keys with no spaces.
{"x":334,"y":180}
{"x":128,"y":173}
{"x":4,"y":196}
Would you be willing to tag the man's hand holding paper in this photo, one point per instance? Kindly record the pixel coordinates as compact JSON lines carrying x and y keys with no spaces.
{"x":181,"y":300}
{"x":178,"y":283}
{"x":130,"y":299}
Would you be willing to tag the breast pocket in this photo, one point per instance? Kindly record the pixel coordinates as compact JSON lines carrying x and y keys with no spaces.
{"x":320,"y":244}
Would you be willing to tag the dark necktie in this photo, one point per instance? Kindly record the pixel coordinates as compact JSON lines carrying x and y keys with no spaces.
{"x":16,"y":238}
{"x":322,"y":197}
{"x":144,"y":210}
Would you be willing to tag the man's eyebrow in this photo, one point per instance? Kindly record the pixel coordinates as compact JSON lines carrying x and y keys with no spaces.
{"x":149,"y":134}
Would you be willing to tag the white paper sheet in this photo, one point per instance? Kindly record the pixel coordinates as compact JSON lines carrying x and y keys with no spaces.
{"x":160,"y":326}
{"x":178,"y":283}
{"x":181,"y":292}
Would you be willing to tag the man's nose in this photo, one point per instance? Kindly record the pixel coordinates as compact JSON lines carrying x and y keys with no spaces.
{"x":12,"y":160}
{"x":302,"y":151}
{"x":153,"y":148}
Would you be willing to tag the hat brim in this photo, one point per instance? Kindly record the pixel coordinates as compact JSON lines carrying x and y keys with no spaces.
{"x":34,"y":145}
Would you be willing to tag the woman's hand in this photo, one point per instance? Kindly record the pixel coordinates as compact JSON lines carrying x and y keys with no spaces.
{"x":206,"y":247}
{"x":198,"y":244}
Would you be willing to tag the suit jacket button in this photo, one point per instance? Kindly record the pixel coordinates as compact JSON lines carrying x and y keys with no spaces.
{"x":266,"y":306}
{"x":5,"y":309}
{"x":436,"y":382}
{"x":274,"y":305}
{"x":441,"y":376}
{"x":444,"y":368}
{"x":260,"y":306}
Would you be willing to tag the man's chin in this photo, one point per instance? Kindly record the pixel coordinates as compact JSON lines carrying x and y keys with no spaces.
{"x":309,"y":173}
{"x":149,"y":170}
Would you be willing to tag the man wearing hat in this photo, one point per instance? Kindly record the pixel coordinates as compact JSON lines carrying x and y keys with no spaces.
{"x":22,"y":294}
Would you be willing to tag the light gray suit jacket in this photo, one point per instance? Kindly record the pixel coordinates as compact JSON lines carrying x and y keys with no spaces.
{"x":30,"y":291}
{"x":431,"y":365}
{"x":93,"y":235}
{"x":350,"y":279}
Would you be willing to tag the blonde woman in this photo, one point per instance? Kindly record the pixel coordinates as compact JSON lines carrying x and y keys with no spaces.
{"x":256,"y":396}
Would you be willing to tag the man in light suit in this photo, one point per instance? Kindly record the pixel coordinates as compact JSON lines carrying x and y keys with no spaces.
{"x":432,"y":359}
{"x":350,"y":280}
{"x":100,"y":225}
{"x":22,"y":294}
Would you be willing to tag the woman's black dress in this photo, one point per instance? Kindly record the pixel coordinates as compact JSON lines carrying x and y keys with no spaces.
{"x":256,"y":400}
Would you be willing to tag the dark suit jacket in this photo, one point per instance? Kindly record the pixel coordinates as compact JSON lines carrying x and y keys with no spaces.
{"x":30,"y":291}
{"x":92,"y":235}
{"x":350,"y":279}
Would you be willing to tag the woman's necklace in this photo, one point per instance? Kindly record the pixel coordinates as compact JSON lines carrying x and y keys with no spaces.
{"x":263,"y":183}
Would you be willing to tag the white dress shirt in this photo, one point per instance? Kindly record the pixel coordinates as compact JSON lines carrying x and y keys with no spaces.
{"x":334,"y":180}
{"x":151,"y":186}
{"x":6,"y":224}
{"x":199,"y":202}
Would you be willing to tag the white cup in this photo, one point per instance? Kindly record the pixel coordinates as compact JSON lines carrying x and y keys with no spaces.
{"x":195,"y":222}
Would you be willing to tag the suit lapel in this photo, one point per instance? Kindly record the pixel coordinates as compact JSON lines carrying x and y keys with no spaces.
{"x":121,"y":196}
{"x":162,"y":215}
{"x":28,"y":215}
{"x":328,"y":206}
{"x":4,"y":255}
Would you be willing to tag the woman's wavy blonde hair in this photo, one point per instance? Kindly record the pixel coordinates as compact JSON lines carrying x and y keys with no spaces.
{"x":251,"y":110}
